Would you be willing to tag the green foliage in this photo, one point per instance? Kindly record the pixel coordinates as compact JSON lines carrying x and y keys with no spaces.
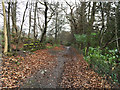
{"x":49,"y":40}
{"x":49,"y":47}
{"x":80,"y":38}
{"x":104,"y":62}
{"x":84,"y":39}
{"x":68,"y":44}
{"x":94,"y":34}
{"x":13,"y":35}
{"x":18,"y":63}
{"x":56,"y":45}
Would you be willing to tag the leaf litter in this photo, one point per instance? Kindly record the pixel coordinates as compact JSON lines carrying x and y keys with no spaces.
{"x":76,"y":74}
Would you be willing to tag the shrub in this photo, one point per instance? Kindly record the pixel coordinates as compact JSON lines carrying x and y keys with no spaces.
{"x":104,"y":62}
{"x":68,"y":44}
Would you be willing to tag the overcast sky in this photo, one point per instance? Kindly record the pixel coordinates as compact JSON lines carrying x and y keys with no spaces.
{"x":22,"y":4}
{"x":21,"y":7}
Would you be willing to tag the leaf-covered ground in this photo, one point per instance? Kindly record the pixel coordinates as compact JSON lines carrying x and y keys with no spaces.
{"x":75,"y":74}
{"x":16,"y":69}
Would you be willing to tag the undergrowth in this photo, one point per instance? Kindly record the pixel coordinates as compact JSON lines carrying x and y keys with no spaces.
{"x":105,"y":62}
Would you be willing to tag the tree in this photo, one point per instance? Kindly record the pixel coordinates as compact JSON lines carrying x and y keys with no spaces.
{"x":45,"y":28}
{"x":30,"y":5}
{"x":116,"y":26}
{"x":5,"y":30}
{"x":56,"y":22}
{"x":13,"y":11}
{"x":103,"y":26}
{"x":34,"y":27}
{"x":19,"y":37}
{"x":8,"y":28}
{"x":71,"y":18}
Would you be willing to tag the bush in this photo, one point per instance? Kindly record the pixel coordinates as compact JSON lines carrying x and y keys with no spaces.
{"x":104,"y":62}
{"x":68,"y":44}
{"x":56,"y":45}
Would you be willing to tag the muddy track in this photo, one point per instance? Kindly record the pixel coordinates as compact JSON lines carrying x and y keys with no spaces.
{"x":50,"y":78}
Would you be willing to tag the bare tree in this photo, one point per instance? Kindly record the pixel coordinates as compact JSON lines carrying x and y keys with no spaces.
{"x":19,"y":37}
{"x":8,"y":28}
{"x":30,"y":5}
{"x":13,"y":10}
{"x":34,"y":27}
{"x":45,"y":28}
{"x":5,"y":30}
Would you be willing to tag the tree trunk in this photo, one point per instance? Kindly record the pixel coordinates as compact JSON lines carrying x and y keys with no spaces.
{"x":29,"y":21}
{"x":89,"y":6}
{"x":45,"y":28}
{"x":91,"y":21}
{"x":19,"y":38}
{"x":92,"y":15}
{"x":35,"y":21}
{"x":103,"y":26}
{"x":116,"y":31}
{"x":8,"y":29}
{"x":13,"y":10}
{"x":5,"y":30}
{"x":56,"y":27}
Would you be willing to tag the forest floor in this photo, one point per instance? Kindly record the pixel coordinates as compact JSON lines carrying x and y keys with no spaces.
{"x":60,"y":67}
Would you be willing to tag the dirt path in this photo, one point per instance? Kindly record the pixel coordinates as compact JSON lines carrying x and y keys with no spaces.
{"x":71,"y":71}
{"x":49,"y":78}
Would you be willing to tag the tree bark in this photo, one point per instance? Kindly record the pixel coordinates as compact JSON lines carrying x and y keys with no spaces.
{"x":35,"y":21}
{"x":89,"y":6}
{"x":92,"y":16}
{"x":91,"y":21}
{"x":45,"y":28}
{"x":116,"y":31}
{"x":29,"y":20}
{"x":13,"y":10}
{"x":5,"y":30}
{"x":8,"y":29}
{"x":56,"y":27}
{"x":103,"y":26}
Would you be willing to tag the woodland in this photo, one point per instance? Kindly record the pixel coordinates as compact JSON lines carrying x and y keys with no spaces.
{"x":59,"y":44}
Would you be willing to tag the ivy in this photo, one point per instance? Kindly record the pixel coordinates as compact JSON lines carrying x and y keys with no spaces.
{"x":104,"y":63}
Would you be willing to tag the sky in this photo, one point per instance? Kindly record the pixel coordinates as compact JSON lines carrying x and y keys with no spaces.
{"x":22,"y":4}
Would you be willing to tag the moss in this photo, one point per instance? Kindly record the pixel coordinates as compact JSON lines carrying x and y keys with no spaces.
{"x":25,"y":44}
{"x":34,"y":46}
{"x":31,"y":44}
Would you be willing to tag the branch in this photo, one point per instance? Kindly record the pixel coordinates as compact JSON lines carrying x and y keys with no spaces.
{"x":50,"y":17}
{"x":110,"y":42}
{"x":1,"y":14}
{"x":41,"y":3}
{"x":68,"y":4}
